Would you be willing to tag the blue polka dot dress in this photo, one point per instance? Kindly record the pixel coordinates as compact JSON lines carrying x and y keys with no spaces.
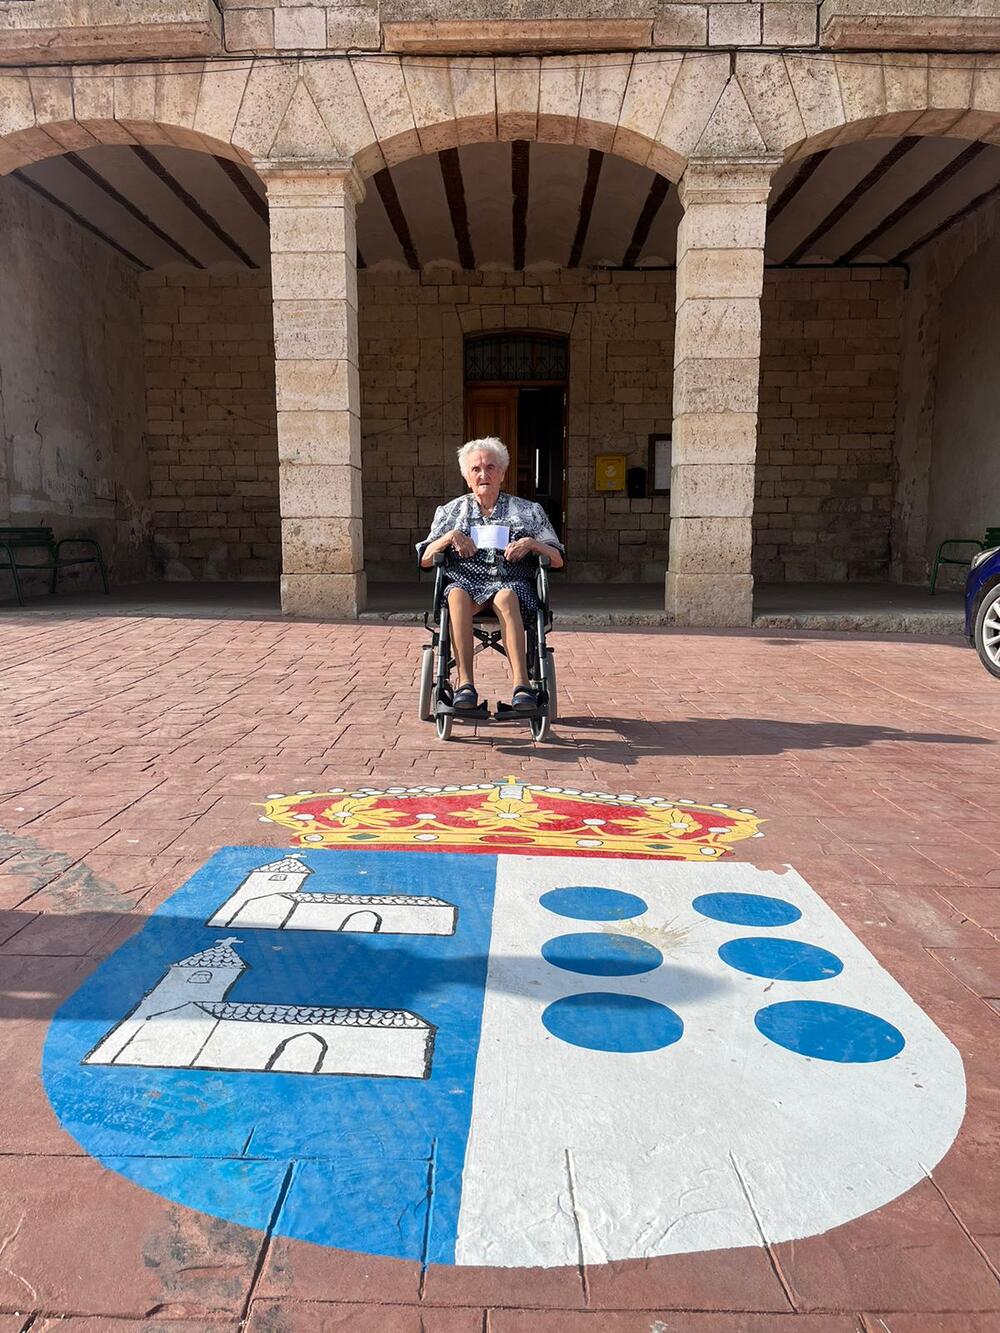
{"x":484,"y":574}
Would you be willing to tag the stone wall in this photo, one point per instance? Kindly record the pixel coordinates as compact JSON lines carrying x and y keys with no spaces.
{"x":72,"y":454}
{"x":213,"y":457}
{"x":830,"y":347}
{"x":412,"y":325}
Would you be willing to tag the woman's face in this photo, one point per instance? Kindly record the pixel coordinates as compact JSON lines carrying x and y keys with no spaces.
{"x":484,"y":475}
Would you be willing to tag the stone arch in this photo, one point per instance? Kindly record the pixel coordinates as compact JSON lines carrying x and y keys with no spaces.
{"x":649,"y":108}
{"x":213,"y":109}
{"x":791,"y":106}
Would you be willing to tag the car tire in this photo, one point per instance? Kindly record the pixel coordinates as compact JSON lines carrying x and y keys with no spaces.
{"x":986,"y":635}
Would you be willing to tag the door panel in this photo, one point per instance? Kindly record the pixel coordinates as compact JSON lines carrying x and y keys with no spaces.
{"x":492,"y":410}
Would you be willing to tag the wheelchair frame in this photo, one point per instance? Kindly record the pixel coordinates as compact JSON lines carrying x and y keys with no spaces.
{"x":436,"y":693}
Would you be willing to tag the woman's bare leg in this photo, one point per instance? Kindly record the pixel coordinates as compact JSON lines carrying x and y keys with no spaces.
{"x":508,"y":610}
{"x":461,"y":609}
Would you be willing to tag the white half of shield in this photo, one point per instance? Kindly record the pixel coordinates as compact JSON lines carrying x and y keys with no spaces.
{"x":721,"y":1139}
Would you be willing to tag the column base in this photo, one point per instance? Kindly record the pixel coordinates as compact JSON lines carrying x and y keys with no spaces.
{"x":711,"y":601}
{"x":340,"y":596}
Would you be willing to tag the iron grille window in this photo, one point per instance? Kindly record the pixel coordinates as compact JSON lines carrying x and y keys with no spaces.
{"x":515,"y":356}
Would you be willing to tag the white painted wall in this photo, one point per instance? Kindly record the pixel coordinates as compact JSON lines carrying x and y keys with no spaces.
{"x":72,"y":411}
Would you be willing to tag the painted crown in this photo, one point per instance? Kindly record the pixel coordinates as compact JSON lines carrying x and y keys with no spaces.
{"x":512,"y":816}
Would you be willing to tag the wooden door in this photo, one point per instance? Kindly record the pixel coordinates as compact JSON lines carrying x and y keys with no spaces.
{"x":492,"y":410}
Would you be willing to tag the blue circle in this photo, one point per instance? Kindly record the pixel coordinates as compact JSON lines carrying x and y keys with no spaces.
{"x":746,"y":909}
{"x":587,"y":904}
{"x":600,"y":955}
{"x":783,"y":960}
{"x":624,"y":1024}
{"x":830,"y":1032}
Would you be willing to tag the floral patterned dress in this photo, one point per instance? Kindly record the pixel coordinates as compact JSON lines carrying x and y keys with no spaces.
{"x":483,"y":575}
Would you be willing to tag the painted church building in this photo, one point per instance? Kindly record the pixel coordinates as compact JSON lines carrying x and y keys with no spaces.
{"x":186,"y":1022}
{"x":271,"y":898}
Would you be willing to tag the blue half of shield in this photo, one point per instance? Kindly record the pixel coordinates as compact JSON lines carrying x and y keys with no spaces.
{"x":182,"y":1062}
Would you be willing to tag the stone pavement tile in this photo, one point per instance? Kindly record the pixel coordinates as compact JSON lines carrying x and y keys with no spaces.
{"x":663,"y":1321}
{"x":536,"y":1287}
{"x":31,"y":989}
{"x":977,"y":968}
{"x":294,"y":1316}
{"x":895,"y":1322}
{"x":303,"y":1272}
{"x":62,"y":934}
{"x":909,"y":1255}
{"x":100,"y":1324}
{"x":80,"y":1238}
{"x":13,"y":1323}
{"x":729,"y":1280}
{"x":979,"y":904}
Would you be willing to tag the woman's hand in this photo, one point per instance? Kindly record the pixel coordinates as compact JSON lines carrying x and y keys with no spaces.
{"x":520,"y":549}
{"x":462,"y":544}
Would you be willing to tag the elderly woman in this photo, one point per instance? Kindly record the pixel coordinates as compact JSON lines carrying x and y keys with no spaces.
{"x":486,"y":568}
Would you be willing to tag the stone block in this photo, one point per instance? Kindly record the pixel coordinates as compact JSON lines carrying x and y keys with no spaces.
{"x":307,"y":230}
{"x":710,"y":600}
{"x":681,"y":25}
{"x":721,"y":226}
{"x":248,"y":29}
{"x":710,"y":490}
{"x":312,"y":277}
{"x":307,"y":386}
{"x":734,"y":24}
{"x":315,"y":490}
{"x":300,"y":28}
{"x":315,"y":330}
{"x":715,"y":437}
{"x":321,"y":546}
{"x":710,"y":545}
{"x":720,"y":273}
{"x":323,"y":596}
{"x":717,"y":385}
{"x":352,"y":28}
{"x":329,"y":438}
{"x":789,"y":24}
{"x":718,"y":328}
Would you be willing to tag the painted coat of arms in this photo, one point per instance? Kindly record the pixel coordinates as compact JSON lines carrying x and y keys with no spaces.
{"x":597,"y":1034}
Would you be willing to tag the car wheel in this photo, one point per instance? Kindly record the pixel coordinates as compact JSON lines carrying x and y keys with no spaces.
{"x":986,"y":635}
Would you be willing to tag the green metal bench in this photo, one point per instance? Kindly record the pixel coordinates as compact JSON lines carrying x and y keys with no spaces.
{"x":14,"y":541}
{"x":992,"y":538}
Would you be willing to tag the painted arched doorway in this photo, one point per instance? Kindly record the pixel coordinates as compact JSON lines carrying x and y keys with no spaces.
{"x":302,"y":1053}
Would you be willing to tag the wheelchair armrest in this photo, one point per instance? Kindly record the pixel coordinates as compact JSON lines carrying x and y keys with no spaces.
{"x":438,"y":560}
{"x":542,"y":582}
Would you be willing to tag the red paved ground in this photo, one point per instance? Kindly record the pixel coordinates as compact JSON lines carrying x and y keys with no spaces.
{"x":132,"y":749}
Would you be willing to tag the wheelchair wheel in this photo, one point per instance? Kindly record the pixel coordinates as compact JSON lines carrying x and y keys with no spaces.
{"x":444,"y":722}
{"x":425,"y":706}
{"x":549,"y":680}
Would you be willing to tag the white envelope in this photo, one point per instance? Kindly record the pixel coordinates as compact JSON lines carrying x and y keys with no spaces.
{"x":491,"y":536}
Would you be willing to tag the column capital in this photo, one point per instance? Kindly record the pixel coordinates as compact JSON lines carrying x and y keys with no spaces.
{"x":303,"y":179}
{"x":728,"y":180}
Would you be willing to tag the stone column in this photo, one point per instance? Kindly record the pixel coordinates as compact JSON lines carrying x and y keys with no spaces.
{"x":720,"y":268}
{"x":315,"y":291}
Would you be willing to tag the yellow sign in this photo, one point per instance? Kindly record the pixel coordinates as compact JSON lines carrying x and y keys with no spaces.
{"x":609,"y":472}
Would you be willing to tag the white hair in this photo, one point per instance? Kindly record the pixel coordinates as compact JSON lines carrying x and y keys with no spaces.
{"x":490,"y":445}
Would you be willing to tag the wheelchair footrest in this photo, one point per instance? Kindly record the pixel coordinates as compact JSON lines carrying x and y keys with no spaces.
{"x":505,"y":713}
{"x":481,"y":712}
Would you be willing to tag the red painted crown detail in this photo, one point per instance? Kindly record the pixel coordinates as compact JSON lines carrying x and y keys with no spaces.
{"x":512,"y":816}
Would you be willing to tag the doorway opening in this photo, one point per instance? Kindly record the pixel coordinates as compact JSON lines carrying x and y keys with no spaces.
{"x":515,"y":389}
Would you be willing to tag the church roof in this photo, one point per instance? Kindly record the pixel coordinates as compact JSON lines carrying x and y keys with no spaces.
{"x":217,"y":955}
{"x":310,"y":1016}
{"x":367,"y":899}
{"x":287,"y":865}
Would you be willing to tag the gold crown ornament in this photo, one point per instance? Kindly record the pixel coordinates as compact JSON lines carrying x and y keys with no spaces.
{"x":512,"y":816}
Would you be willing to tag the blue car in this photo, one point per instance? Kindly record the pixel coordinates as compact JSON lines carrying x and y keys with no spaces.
{"x":982,"y":608}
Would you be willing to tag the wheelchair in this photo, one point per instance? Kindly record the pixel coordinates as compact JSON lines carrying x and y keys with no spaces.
{"x":437,"y":663}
